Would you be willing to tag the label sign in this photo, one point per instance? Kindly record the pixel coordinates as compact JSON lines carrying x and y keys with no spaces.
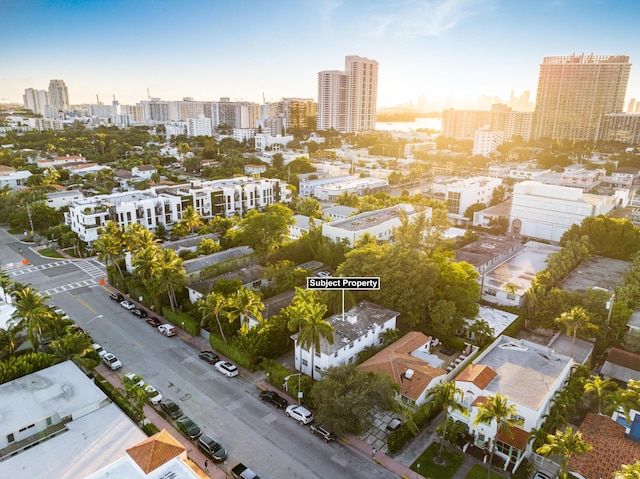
{"x":362,"y":284}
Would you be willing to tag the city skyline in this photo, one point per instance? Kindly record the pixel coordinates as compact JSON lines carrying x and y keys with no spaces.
{"x":438,"y":49}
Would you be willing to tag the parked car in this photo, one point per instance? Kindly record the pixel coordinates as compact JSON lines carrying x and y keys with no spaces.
{"x":393,"y":425}
{"x":323,"y":274}
{"x":141,"y":313}
{"x":228,"y":369}
{"x":133,"y":378}
{"x":99,"y":349}
{"x":299,"y":413}
{"x":209,"y":356}
{"x":153,"y":394}
{"x":274,"y":398}
{"x":117,"y":297}
{"x":153,"y":321}
{"x":167,"y":329}
{"x":240,"y":471}
{"x":322,"y":432}
{"x":210,"y":447}
{"x":171,"y":408}
{"x":111,"y":361}
{"x":127,"y":305}
{"x":189,"y":427}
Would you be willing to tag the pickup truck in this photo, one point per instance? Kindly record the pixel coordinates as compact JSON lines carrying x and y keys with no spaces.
{"x":240,"y":471}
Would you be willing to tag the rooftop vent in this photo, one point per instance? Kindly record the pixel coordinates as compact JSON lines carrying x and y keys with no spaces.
{"x":408,"y":374}
{"x":352,"y":318}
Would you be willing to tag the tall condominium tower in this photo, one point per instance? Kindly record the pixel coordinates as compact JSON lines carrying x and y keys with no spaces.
{"x":58,"y":95}
{"x":347,"y":99}
{"x":36,"y":100}
{"x":575,"y":91}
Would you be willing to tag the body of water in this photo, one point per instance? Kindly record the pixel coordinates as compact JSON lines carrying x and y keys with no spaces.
{"x":431,"y":123}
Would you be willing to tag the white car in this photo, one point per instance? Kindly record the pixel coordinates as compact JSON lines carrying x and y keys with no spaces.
{"x":111,"y":361}
{"x":323,"y":274}
{"x":299,"y":413}
{"x":228,"y":369}
{"x":128,"y":305}
{"x":133,"y":378}
{"x":154,"y":395}
{"x":98,"y":349}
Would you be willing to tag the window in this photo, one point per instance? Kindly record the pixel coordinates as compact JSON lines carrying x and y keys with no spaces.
{"x":49,"y":421}
{"x":503,"y":448}
{"x":511,"y":297}
{"x":305,"y":362}
{"x":519,"y":420}
{"x":317,"y":353}
{"x":10,"y":438}
{"x":351,"y":346}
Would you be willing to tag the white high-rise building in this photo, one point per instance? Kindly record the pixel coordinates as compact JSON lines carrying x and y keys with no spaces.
{"x":35,"y":100}
{"x":347,"y":100}
{"x":58,"y":95}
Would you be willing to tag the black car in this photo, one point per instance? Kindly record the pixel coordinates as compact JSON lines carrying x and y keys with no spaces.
{"x":189,"y":427}
{"x":171,"y":408}
{"x":209,"y":356}
{"x":212,"y":448}
{"x":141,"y":313}
{"x":322,"y":432}
{"x":117,"y":297}
{"x":274,"y":398}
{"x":153,"y":321}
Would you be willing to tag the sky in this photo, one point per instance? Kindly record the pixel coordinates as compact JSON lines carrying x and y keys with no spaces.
{"x":254,"y":49}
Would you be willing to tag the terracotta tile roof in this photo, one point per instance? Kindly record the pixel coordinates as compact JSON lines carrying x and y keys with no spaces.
{"x":624,"y":358}
{"x":478,"y":374}
{"x":479,"y":400}
{"x":396,"y":359}
{"x":146,"y":167}
{"x":518,"y":438}
{"x":155,"y":451}
{"x":5,"y":170}
{"x":610,"y":450}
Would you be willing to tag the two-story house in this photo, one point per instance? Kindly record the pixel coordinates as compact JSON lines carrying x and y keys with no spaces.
{"x":528,"y":375}
{"x":355,"y":330}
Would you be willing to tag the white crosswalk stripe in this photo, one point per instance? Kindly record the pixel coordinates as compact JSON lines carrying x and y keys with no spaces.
{"x":90,"y":267}
{"x":68,"y":287}
{"x":31,"y":268}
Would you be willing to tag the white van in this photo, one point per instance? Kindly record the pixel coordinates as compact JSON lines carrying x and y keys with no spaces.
{"x":167,"y":329}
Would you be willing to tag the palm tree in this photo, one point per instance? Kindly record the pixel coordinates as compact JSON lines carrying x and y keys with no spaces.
{"x":208,"y":246}
{"x":212,"y":306}
{"x":499,"y":410}
{"x":600,"y":387}
{"x":109,"y":249}
{"x":306,"y":316}
{"x":145,"y":263}
{"x":628,"y":471}
{"x":191,"y":219}
{"x":31,"y":311}
{"x":137,"y":237}
{"x":9,"y":338}
{"x":444,"y":397}
{"x":566,"y":444}
{"x":75,"y":347}
{"x":5,"y":284}
{"x":169,"y":272}
{"x":389,"y":336}
{"x":575,"y":320}
{"x":244,"y":303}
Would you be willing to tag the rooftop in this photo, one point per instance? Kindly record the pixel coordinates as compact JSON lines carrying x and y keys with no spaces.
{"x":486,"y":248}
{"x":515,"y":359}
{"x":245,"y":275}
{"x":598,"y":271}
{"x":369,"y":219}
{"x":497,"y":319}
{"x":61,"y":390}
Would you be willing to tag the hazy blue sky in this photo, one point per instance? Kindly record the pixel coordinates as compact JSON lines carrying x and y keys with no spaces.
{"x":246,"y":48}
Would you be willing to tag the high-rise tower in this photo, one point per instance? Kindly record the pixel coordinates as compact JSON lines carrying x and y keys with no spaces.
{"x":574,"y":91}
{"x":58,"y":95}
{"x":347,"y":99}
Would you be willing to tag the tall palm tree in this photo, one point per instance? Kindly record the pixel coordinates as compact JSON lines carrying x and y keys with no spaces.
{"x":169,"y":272}
{"x":244,"y":303}
{"x":499,"y":410}
{"x":75,"y":347}
{"x":31,"y":312}
{"x":9,"y":338}
{"x":306,"y":316}
{"x":108,"y":247}
{"x":574,"y":321}
{"x":212,"y":306}
{"x":145,"y":263}
{"x":601,"y":387}
{"x":191,"y":219}
{"x":628,"y":471}
{"x":444,"y":397}
{"x":566,"y":444}
{"x":5,"y":284}
{"x":137,"y":237}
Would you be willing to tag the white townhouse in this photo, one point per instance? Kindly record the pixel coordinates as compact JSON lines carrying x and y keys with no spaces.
{"x":60,"y":199}
{"x":460,"y":193}
{"x":148,"y":208}
{"x":355,"y":330}
{"x":144,"y":171}
{"x":378,"y":223}
{"x":14,"y":179}
{"x":528,"y":375}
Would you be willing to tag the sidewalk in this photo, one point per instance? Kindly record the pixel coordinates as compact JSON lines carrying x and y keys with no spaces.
{"x":215,"y":470}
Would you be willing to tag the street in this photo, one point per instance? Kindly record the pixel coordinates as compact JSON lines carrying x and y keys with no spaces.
{"x":229,"y":410}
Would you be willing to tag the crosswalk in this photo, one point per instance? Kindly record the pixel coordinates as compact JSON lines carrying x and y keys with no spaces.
{"x":89,"y":267}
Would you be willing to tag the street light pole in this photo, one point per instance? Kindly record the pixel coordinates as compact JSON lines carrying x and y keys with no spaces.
{"x":286,"y":381}
{"x":91,"y":320}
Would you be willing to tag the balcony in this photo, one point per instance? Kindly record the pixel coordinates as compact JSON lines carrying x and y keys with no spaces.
{"x":30,"y":441}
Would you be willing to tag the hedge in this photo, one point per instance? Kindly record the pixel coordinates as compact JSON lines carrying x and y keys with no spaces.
{"x":117,"y":397}
{"x":182,"y":320}
{"x":230,"y":351}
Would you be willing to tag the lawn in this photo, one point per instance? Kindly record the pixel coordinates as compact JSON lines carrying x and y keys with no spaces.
{"x":50,"y":253}
{"x":425,"y":466}
{"x":480,"y":472}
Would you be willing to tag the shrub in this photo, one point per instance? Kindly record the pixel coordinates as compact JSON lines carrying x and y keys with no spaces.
{"x":397,"y":439}
{"x":150,"y":429}
{"x":182,"y":320}
{"x":117,"y":397}
{"x":230,"y":351}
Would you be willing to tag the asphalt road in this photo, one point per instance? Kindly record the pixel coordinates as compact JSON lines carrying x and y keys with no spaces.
{"x":228,"y":409}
